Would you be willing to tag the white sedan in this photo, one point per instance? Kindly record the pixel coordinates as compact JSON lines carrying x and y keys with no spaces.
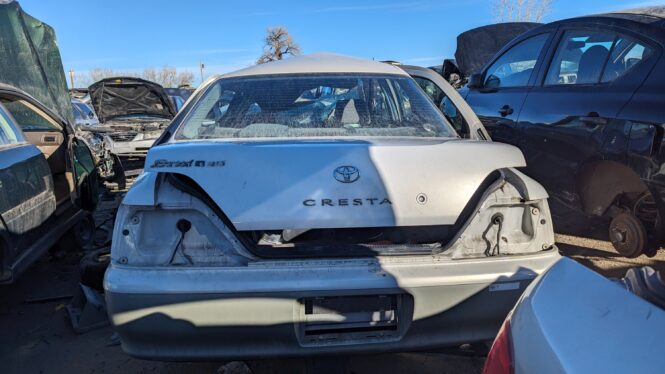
{"x":315,"y":205}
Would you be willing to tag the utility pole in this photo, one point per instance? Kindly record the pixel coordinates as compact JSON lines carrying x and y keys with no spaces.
{"x":71,"y":78}
{"x":201,"y":66}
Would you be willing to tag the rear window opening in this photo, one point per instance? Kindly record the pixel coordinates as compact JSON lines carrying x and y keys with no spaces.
{"x":311,"y":105}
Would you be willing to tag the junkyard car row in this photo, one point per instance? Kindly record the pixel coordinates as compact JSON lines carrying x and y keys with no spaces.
{"x":326,"y":204}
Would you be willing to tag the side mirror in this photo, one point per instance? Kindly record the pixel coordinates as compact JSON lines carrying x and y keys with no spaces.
{"x":475,"y":81}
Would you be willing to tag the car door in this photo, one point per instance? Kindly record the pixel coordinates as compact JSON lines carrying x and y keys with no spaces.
{"x":70,"y":161}
{"x":569,"y":116}
{"x":499,"y":97}
{"x":449,"y":101}
{"x":27,"y":197}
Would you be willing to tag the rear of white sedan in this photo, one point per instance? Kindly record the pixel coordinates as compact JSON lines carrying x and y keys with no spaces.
{"x":321,"y":205}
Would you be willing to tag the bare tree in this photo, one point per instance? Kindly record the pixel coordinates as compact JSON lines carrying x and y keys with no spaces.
{"x":98,"y":74}
{"x":185,"y":78}
{"x":520,"y":10}
{"x":278,"y":43}
{"x":167,"y":76}
{"x":149,"y":74}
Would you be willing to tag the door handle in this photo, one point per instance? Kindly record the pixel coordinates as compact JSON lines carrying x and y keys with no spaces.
{"x":505,"y":110}
{"x":593,"y":119}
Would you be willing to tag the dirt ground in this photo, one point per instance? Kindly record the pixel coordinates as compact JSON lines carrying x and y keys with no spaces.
{"x":36,"y":337}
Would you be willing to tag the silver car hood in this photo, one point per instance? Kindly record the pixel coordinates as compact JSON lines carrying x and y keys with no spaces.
{"x":310,"y":184}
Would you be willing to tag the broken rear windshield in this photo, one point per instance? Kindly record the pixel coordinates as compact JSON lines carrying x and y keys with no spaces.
{"x":313,"y":106}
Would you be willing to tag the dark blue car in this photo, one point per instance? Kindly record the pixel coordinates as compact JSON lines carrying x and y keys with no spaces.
{"x":584,"y":99}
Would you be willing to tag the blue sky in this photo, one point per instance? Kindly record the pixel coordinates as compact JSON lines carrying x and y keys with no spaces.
{"x":227,"y":35}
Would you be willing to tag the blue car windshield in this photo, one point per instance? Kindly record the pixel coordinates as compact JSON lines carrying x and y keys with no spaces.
{"x":314,"y":106}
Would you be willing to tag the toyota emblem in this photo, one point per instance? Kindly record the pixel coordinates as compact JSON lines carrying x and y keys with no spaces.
{"x":346,"y":174}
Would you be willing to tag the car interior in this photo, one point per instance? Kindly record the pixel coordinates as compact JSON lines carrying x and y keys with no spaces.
{"x":582,"y":57}
{"x":317,"y":106}
{"x":48,"y":136}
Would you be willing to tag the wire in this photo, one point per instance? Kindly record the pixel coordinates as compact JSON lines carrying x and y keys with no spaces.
{"x":497,"y":220}
{"x":189,"y":259}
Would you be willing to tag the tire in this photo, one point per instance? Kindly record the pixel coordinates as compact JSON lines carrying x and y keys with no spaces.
{"x":93,"y":266}
{"x":80,"y":236}
{"x":628,"y":235}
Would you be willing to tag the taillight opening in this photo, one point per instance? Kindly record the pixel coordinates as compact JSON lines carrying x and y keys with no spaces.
{"x":500,"y":358}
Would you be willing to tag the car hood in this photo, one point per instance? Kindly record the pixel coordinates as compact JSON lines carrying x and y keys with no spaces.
{"x":30,"y":59}
{"x":115,"y":97}
{"x":476,"y":47}
{"x":310,"y":184}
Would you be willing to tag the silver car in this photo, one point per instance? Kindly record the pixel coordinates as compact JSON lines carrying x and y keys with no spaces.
{"x":321,"y":204}
{"x":572,"y":320}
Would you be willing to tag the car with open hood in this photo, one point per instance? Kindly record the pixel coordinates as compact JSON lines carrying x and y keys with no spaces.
{"x":582,"y":99}
{"x":133,"y":112}
{"x":320,"y":204}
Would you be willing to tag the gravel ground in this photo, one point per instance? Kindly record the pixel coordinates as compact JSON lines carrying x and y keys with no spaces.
{"x":37,"y":338}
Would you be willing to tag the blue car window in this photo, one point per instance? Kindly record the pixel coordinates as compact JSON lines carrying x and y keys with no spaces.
{"x":580,"y":57}
{"x":626,"y":54}
{"x":514,"y":68}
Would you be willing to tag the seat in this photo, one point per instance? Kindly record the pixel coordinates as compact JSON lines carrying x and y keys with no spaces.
{"x":346,"y":113}
{"x":591,"y":64}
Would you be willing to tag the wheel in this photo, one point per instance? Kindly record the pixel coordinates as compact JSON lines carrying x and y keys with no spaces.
{"x":628,"y":235}
{"x":80,"y":236}
{"x":93,"y":266}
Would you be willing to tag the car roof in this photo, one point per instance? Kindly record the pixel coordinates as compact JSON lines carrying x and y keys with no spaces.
{"x":318,"y":63}
{"x":640,"y":14}
{"x":652,"y":16}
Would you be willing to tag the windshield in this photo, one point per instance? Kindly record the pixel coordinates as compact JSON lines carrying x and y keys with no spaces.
{"x":86,"y":112}
{"x":314,"y":106}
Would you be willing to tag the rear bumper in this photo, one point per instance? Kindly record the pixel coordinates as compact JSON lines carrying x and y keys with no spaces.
{"x":259,"y":311}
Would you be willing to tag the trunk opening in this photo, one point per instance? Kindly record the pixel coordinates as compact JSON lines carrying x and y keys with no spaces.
{"x":340,"y":242}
